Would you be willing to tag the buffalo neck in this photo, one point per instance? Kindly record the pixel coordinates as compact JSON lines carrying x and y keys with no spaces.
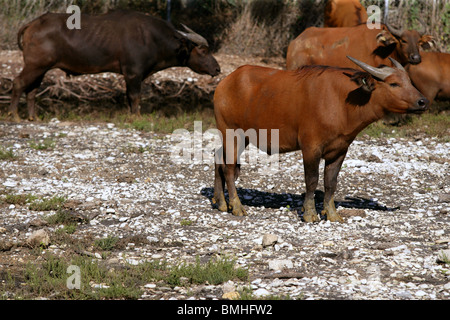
{"x":359,"y":117}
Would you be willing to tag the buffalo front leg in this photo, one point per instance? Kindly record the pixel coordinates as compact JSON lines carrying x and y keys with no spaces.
{"x":31,"y":98}
{"x":332,"y":169}
{"x":311,"y":166}
{"x":219,"y":182}
{"x":31,"y":104}
{"x":134,"y":84}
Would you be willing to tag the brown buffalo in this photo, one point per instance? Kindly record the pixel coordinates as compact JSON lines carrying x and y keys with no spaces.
{"x":329,"y":46}
{"x":316,"y":109}
{"x":126,"y":42}
{"x":344,"y":13}
{"x":432,"y":76}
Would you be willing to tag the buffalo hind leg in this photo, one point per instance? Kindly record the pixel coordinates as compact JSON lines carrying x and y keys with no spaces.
{"x":219,"y":182}
{"x":134,"y":84}
{"x":330,"y":182}
{"x":311,"y":166}
{"x":231,"y":172}
{"x":235,"y":205}
{"x":27,"y":81}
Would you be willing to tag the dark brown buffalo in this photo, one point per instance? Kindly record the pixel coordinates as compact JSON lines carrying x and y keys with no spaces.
{"x":432,"y":76}
{"x":344,"y":13}
{"x":330,"y":46}
{"x":316,"y":109}
{"x":126,"y":42}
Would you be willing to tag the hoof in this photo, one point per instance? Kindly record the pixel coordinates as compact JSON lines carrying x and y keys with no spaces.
{"x":332,"y":216}
{"x":221,"y":204}
{"x":239,"y":212}
{"x":14,"y":117}
{"x":311,"y":217}
{"x":309,"y":209}
{"x":330,"y":212}
{"x":236,"y":207}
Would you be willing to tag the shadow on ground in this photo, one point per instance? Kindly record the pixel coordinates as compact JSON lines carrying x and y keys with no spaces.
{"x":294,"y":202}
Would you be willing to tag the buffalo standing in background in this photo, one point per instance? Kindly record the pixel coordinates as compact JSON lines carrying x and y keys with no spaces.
{"x":125,"y":42}
{"x":344,"y":13}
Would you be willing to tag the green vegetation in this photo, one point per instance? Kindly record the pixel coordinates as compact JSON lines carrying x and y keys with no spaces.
{"x":6,"y":154}
{"x":158,"y":122}
{"x":106,"y":244}
{"x":186,"y":222}
{"x":214,"y":272}
{"x":60,"y":217}
{"x":68,"y":228}
{"x":429,"y":124}
{"x":47,"y":204}
{"x":19,"y":199}
{"x":135,"y":149}
{"x":46,"y":144}
{"x":49,"y":278}
{"x":36,"y":203}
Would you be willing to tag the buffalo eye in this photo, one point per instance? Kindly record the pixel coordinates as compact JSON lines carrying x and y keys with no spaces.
{"x":394,"y":85}
{"x":203,"y":49}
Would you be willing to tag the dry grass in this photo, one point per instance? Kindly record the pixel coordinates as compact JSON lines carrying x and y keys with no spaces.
{"x":266,"y":27}
{"x":15,"y":13}
{"x":249,"y":37}
{"x":261,"y":27}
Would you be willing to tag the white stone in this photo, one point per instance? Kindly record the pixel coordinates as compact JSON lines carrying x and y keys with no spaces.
{"x":261,"y":292}
{"x":269,"y":240}
{"x":38,"y":238}
{"x":278,"y":265}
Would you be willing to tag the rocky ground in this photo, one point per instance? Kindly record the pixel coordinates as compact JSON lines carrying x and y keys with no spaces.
{"x":393,"y":193}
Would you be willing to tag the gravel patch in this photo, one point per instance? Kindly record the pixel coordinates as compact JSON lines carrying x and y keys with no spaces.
{"x":393,"y":194}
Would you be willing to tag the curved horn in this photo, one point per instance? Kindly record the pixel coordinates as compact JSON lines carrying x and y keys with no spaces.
{"x":380,"y":73}
{"x":423,"y":28}
{"x":396,"y":32}
{"x":397,"y":64}
{"x":193,"y":36}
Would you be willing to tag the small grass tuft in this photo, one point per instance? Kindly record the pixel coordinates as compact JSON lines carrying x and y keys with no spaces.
{"x":106,"y":244}
{"x":7,"y":154}
{"x":186,"y":222}
{"x":47,"y":204}
{"x":19,"y":199}
{"x":60,"y":217}
{"x":46,"y":144}
{"x":215,"y":271}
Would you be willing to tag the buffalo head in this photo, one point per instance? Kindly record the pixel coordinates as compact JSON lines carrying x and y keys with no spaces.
{"x":395,"y":89}
{"x":200,"y":58}
{"x":409,"y":43}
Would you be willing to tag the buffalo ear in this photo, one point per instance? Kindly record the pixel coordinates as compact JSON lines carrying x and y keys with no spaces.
{"x":184,"y":50}
{"x":364,"y":80}
{"x":427,"y":42}
{"x":385,"y":38}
